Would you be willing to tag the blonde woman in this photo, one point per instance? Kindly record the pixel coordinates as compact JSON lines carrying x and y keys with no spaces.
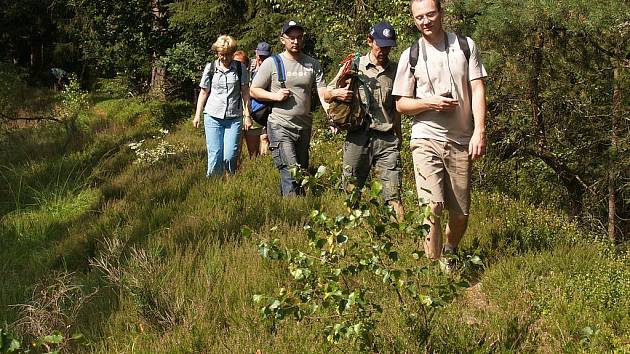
{"x":224,"y":93}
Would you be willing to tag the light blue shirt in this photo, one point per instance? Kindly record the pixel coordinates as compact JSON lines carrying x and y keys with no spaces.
{"x":224,"y":100}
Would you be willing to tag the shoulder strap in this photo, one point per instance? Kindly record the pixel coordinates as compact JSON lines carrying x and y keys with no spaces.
{"x":239,"y":71}
{"x":414,"y":51}
{"x":463,"y":45}
{"x":280,"y":70}
{"x":361,"y":82}
{"x":212,"y":69}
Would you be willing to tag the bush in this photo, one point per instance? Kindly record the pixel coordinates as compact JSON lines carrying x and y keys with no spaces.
{"x":13,"y":88}
{"x":120,"y":86}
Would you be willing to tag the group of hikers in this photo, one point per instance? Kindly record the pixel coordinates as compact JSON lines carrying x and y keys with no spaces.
{"x":438,"y":81}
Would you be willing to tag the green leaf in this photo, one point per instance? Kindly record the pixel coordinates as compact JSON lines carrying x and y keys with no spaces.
{"x":246,"y":232}
{"x":54,"y":338}
{"x":426,"y":300}
{"x":76,"y":336}
{"x":300,"y":273}
{"x":14,"y":346}
{"x":321,"y":170}
{"x":476,"y":260}
{"x":274,"y":305}
{"x":258,"y":298}
{"x":587,"y":331}
{"x":376,"y":188}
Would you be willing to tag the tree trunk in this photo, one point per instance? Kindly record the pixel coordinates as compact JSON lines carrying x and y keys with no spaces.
{"x":614,"y":147}
{"x":158,"y":72}
{"x":534,"y":92}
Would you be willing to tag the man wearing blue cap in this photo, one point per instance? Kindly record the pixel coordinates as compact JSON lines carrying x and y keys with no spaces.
{"x":263,"y":51}
{"x":289,"y":124}
{"x":377,"y":143}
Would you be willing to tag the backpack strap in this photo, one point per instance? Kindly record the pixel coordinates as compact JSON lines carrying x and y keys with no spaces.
{"x":239,"y":71}
{"x":211,"y":74}
{"x":463,"y":45}
{"x":361,"y":82}
{"x":414,"y":51}
{"x":282,"y":78}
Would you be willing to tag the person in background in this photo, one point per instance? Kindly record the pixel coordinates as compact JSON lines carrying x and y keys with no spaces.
{"x":290,"y":122}
{"x":251,"y":129}
{"x":377,"y":143}
{"x":224,"y":92}
{"x":445,"y":94}
{"x":263,"y":51}
{"x":58,"y":78}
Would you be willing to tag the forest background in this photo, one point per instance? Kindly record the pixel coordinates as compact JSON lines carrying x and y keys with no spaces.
{"x":74,"y":213}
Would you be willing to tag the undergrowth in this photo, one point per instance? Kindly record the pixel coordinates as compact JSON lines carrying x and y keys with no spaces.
{"x":153,"y":259}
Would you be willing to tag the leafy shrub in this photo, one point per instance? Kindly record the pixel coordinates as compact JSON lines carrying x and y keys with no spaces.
{"x":13,"y":88}
{"x":120,"y":86}
{"x":339,"y":281}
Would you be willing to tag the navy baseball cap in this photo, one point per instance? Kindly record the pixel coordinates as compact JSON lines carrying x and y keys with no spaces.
{"x":383,"y":34}
{"x":264,"y":49}
{"x":289,"y":25}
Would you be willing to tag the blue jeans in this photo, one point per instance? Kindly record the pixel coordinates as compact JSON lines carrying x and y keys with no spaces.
{"x":289,"y":147}
{"x":222,"y":138}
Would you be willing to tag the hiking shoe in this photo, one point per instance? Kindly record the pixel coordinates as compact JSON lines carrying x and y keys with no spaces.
{"x":447,"y":264}
{"x":448,"y":261}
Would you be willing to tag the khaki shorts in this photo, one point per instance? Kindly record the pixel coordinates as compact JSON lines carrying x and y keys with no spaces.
{"x":443,"y":173}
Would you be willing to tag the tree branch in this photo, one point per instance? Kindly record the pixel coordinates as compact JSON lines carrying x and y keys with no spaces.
{"x":6,"y":117}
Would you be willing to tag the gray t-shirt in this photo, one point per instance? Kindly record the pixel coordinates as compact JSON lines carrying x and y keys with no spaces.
{"x":442,"y":72}
{"x":301,"y":76}
{"x":224,"y":100}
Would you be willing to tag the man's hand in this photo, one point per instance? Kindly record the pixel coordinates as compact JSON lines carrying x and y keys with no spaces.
{"x":196,"y":122}
{"x":342,"y":94}
{"x":282,"y":95}
{"x":443,"y":104}
{"x":477,"y":145}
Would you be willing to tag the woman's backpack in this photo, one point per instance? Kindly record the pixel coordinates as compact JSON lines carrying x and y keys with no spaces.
{"x":351,"y":115}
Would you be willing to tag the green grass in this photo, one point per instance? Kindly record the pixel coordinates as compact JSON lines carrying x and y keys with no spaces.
{"x":159,"y":249}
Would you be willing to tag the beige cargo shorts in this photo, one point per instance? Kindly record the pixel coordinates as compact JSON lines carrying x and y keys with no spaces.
{"x":443,"y":172}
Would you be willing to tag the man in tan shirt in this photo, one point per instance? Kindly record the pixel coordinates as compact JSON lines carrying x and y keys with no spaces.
{"x":443,"y":92}
{"x":377,"y":143}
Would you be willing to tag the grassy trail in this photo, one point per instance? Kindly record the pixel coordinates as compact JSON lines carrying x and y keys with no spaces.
{"x":120,"y":237}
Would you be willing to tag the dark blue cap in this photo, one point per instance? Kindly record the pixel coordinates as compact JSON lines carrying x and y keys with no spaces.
{"x":289,"y":25}
{"x":383,"y":34}
{"x":264,"y":49}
